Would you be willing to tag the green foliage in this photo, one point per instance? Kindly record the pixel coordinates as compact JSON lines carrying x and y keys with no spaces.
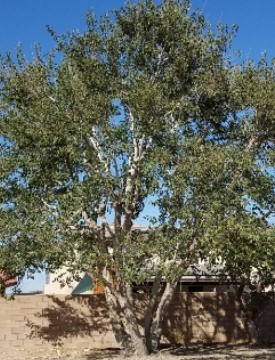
{"x":145,"y":104}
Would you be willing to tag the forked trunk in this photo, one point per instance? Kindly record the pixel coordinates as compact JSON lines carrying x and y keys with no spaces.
{"x":124,"y":321}
{"x":153,"y":330}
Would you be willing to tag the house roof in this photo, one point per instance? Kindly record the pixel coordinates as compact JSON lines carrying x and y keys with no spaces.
{"x":85,"y":284}
{"x":8,"y":280}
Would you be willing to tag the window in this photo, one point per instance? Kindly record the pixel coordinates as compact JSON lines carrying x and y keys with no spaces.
{"x":195,"y":288}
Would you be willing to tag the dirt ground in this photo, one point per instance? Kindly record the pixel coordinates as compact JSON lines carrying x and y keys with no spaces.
{"x":205,"y":353}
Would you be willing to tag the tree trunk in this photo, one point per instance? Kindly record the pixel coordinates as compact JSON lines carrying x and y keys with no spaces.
{"x":251,"y":329}
{"x":124,"y":321}
{"x":126,"y":302}
{"x":154,"y":332}
{"x":121,"y":336}
{"x":149,"y":314}
{"x":248,"y":316}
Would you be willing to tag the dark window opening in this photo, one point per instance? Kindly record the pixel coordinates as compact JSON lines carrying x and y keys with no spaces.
{"x":195,"y":288}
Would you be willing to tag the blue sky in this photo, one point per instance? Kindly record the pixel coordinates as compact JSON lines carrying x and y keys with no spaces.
{"x":25,"y":21}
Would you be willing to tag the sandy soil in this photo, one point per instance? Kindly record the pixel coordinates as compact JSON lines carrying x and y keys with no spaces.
{"x":207,"y":353}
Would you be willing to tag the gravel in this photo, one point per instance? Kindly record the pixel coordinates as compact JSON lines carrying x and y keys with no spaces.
{"x":205,"y":353}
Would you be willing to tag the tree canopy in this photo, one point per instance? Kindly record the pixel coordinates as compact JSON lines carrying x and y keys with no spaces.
{"x":145,"y":105}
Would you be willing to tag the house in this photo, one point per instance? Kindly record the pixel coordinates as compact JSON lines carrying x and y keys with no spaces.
{"x":56,"y":283}
{"x":198,"y":278}
{"x":85,"y":285}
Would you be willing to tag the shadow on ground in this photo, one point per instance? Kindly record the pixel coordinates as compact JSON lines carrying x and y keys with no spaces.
{"x":103,"y":354}
{"x":225,"y":352}
{"x":209,"y":353}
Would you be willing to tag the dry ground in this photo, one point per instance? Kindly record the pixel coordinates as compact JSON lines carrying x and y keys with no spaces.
{"x":206,"y":353}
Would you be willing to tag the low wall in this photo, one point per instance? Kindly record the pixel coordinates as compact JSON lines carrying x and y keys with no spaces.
{"x":42,"y":320}
{"x":82,"y":321}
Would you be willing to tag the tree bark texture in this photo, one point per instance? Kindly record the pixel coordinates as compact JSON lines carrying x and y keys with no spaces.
{"x":247,"y":315}
{"x":124,"y":321}
{"x":153,"y":330}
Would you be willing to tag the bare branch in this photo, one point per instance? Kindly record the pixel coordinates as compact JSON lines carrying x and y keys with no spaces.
{"x":91,"y":222}
{"x":135,"y":159}
{"x":93,"y":143}
{"x":49,"y":206}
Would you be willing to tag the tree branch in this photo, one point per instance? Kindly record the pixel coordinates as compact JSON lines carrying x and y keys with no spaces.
{"x":93,"y":144}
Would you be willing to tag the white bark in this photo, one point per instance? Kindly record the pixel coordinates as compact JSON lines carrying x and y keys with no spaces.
{"x":94,"y":143}
{"x":151,"y":311}
{"x":124,"y":297}
{"x":155,"y":331}
{"x":122,"y":315}
{"x":121,"y":336}
{"x":131,"y":188}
